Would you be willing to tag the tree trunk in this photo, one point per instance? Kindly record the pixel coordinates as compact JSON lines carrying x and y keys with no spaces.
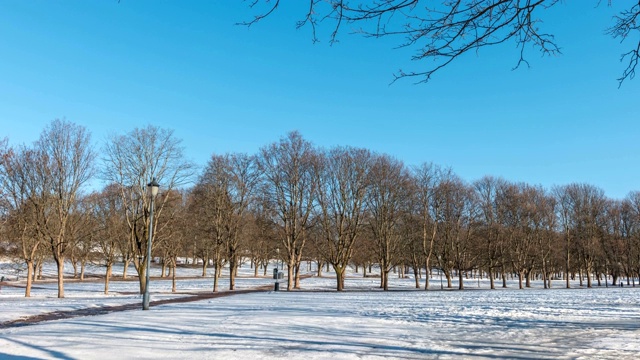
{"x":30,"y":271}
{"x":142,"y":272}
{"x":164,"y":268}
{"x":205,"y":262}
{"x":320,"y":268}
{"x":504,"y":279}
{"x":107,"y":277}
{"x":290,"y":275}
{"x":83,"y":264}
{"x":173,"y":277}
{"x":297,"y":275}
{"x":233,"y":267}
{"x":216,"y":275}
{"x":427,"y":275}
{"x":492,"y":283}
{"x":124,"y":269}
{"x":460,"y":280}
{"x":339,"y":278}
{"x":580,"y":277}
{"x":40,"y":266}
{"x":60,"y":263}
{"x":385,"y":280}
{"x":520,"y":276}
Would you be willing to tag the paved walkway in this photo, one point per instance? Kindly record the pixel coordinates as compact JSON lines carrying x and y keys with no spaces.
{"x":58,"y":315}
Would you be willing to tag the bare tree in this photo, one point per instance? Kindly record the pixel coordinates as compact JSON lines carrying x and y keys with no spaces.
{"x":108,"y":217}
{"x":458,"y":221}
{"x":386,"y":201}
{"x":487,"y":192}
{"x":63,"y":163}
{"x":426,"y":178}
{"x":230,"y":181}
{"x":18,"y":213}
{"x":208,"y":206}
{"x":289,"y":175}
{"x":131,"y":161}
{"x":343,"y":182}
{"x":625,"y":24}
{"x":441,"y":32}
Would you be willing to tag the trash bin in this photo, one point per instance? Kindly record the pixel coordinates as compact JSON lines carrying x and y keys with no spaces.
{"x":277,"y":287}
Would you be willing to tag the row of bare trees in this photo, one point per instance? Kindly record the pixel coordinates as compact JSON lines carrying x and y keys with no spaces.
{"x":342,"y":206}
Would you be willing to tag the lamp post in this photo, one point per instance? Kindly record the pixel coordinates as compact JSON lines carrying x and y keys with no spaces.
{"x":278,"y":258}
{"x":152,"y":187}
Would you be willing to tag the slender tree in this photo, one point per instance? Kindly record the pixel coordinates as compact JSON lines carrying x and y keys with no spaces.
{"x":343,"y":181}
{"x":289,"y":178}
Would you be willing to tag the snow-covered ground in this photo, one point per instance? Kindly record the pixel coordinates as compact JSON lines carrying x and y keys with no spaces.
{"x":362,"y":322}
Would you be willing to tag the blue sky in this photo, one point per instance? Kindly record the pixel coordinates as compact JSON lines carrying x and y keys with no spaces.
{"x":225,"y":88}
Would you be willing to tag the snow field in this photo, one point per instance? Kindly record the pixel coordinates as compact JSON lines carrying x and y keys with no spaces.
{"x":362,"y":322}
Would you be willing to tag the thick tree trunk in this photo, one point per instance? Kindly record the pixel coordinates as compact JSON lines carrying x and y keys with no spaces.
{"x":30,"y":271}
{"x":339,"y":278}
{"x":83,"y":264}
{"x":233,"y":267}
{"x":319,"y":268}
{"x":173,"y":277}
{"x":385,"y":280}
{"x":520,"y":276}
{"x":297,"y":275}
{"x":142,"y":272}
{"x":124,"y":269}
{"x":107,"y":277}
{"x":416,"y":277}
{"x":290,"y":266}
{"x":492,"y":283}
{"x":460,"y":281}
{"x":60,"y":263}
{"x":504,"y":278}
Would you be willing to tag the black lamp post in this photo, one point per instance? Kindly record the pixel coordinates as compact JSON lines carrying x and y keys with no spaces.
{"x":152,"y":187}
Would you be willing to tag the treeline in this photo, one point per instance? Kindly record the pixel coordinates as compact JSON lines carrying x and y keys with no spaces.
{"x":341,"y":207}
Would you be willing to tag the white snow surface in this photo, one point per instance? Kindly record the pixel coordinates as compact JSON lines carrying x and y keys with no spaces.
{"x":319,"y":323}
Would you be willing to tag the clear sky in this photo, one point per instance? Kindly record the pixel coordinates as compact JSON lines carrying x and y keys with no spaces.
{"x":185,"y":65}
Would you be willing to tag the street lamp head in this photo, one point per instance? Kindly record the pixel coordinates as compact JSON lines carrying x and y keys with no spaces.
{"x":153,"y":187}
